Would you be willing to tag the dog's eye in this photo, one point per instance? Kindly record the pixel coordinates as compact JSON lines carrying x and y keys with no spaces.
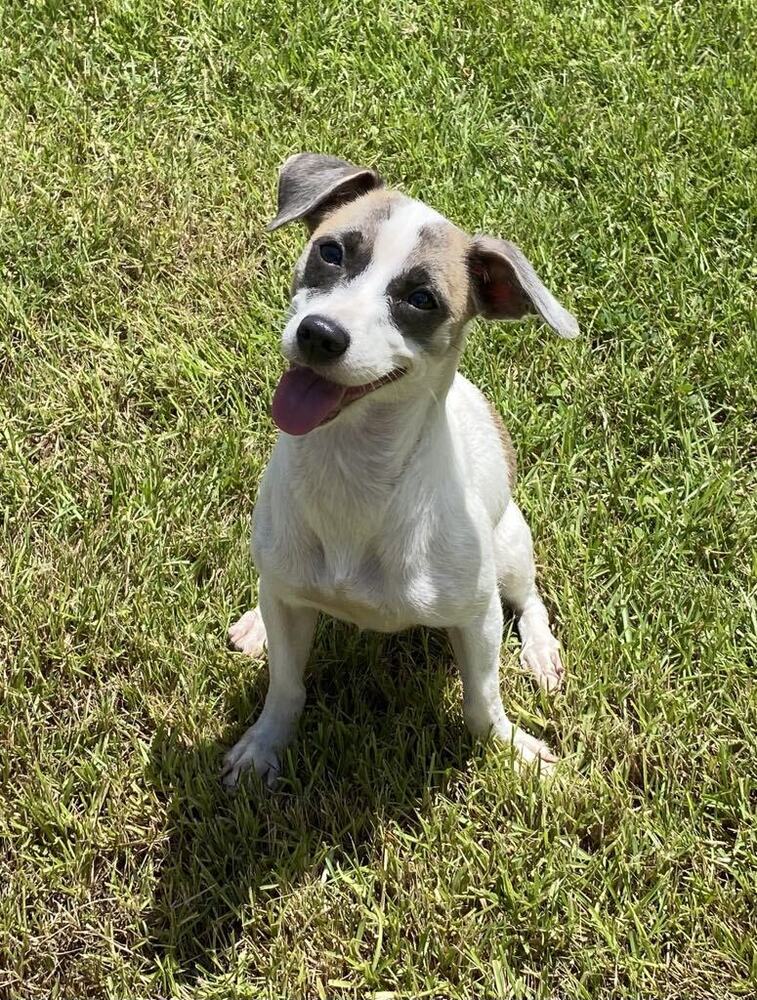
{"x":331,"y":253}
{"x":421,"y":298}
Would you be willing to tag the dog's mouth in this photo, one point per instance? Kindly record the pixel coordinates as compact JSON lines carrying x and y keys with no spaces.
{"x":305,"y":400}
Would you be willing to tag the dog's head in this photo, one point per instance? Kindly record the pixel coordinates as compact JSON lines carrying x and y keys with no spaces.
{"x":383,"y":290}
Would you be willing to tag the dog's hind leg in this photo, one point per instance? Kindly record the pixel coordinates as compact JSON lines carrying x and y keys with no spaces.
{"x":247,"y":634}
{"x":516,"y":573}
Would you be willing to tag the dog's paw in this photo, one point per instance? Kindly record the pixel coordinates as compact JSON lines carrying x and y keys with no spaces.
{"x":248,"y":634}
{"x":251,"y":752}
{"x":542,"y":659}
{"x":532,"y":751}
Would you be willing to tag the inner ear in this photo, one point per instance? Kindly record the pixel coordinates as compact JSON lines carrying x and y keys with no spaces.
{"x":504,"y":285}
{"x":496,"y":289}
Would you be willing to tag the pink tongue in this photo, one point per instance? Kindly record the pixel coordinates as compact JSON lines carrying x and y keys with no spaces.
{"x":303,"y":400}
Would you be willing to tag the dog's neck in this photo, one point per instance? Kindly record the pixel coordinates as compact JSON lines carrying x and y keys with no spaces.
{"x":347,"y":471}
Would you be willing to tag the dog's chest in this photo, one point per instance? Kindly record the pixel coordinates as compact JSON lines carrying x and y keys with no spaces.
{"x":383,"y":583}
{"x":383,"y":552}
{"x":357,"y":583}
{"x":352,"y":583}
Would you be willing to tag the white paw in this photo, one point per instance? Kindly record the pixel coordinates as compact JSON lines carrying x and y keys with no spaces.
{"x":532,"y":751}
{"x":252,"y":751}
{"x":248,"y":634}
{"x":542,"y":658}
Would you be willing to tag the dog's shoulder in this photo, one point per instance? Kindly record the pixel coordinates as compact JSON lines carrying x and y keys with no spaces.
{"x":481,"y":427}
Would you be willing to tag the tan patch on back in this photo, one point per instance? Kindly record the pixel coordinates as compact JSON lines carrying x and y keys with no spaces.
{"x":507,"y":447}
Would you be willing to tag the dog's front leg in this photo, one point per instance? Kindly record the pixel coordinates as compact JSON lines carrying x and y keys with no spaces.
{"x":289,"y":630}
{"x":476,"y":647}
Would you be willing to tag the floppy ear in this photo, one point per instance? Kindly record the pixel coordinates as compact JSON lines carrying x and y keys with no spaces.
{"x":505,"y":286}
{"x":311,"y":185}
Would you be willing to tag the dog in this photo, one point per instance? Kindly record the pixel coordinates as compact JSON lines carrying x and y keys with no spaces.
{"x":387,"y":501}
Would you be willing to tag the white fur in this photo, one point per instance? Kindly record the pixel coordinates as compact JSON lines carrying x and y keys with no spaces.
{"x":397,"y":513}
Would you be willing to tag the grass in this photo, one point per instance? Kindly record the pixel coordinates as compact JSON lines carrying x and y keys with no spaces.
{"x":141,"y":301}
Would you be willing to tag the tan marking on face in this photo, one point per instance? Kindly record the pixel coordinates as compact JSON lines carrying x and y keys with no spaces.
{"x":441,"y":246}
{"x":443,"y":249}
{"x":364,"y":213}
{"x":507,"y":446}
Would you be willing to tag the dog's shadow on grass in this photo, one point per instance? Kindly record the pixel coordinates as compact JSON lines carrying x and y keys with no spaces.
{"x":378,"y":737}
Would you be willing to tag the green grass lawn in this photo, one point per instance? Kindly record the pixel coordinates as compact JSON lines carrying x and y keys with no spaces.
{"x":140,"y":307}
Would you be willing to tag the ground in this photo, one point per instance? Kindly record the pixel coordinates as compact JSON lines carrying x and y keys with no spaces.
{"x":140,"y":301}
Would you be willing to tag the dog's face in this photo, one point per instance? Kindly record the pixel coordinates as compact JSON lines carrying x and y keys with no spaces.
{"x":383,"y":291}
{"x":391,"y":273}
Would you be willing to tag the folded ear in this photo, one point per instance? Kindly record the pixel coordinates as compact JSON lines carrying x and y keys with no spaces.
{"x":505,"y":286}
{"x":311,"y":185}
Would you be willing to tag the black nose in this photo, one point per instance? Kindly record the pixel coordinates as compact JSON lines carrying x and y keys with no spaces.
{"x":321,"y":340}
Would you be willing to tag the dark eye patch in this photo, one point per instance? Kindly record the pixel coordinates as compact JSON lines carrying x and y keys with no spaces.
{"x":320,"y":273}
{"x":419,"y":324}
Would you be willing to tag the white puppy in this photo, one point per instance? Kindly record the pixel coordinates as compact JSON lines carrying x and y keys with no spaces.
{"x":387,"y":500}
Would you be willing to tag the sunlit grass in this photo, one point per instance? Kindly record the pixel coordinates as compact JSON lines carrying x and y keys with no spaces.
{"x":141,"y":302}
